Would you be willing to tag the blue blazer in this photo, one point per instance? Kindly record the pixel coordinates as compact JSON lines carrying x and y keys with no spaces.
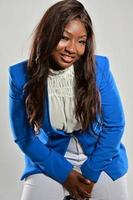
{"x":101,"y":142}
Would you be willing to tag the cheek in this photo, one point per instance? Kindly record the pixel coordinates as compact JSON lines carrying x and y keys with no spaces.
{"x":57,"y":51}
{"x":81,"y":51}
{"x":60,"y":46}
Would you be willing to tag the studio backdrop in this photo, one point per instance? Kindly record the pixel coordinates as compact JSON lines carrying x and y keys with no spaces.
{"x":113,"y":29}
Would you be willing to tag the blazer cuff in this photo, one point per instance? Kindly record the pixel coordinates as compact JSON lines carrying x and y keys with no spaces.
{"x":87,"y":172}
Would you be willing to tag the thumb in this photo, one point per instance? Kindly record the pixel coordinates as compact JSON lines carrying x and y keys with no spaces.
{"x":83,"y":180}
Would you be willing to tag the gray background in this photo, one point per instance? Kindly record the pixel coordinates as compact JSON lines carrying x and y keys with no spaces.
{"x":113,"y":25}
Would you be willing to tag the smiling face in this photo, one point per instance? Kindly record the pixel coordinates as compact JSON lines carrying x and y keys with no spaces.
{"x":72,"y":44}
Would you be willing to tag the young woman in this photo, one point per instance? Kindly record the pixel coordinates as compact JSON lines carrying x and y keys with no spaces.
{"x":66,"y":113}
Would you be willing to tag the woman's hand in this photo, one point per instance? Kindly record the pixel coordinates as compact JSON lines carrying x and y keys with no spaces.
{"x":78,"y":187}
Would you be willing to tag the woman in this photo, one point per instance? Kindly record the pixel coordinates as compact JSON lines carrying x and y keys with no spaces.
{"x":66,"y":113}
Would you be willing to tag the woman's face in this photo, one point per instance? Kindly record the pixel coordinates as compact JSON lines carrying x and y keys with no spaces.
{"x":72,"y":44}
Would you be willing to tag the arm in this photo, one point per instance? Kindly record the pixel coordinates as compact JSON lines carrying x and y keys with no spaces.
{"x":112,"y":129}
{"x":50,"y":162}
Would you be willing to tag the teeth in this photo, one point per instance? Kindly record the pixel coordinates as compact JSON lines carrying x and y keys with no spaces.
{"x":67,"y":58}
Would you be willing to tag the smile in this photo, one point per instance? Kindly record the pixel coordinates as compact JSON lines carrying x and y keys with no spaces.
{"x":67,"y":58}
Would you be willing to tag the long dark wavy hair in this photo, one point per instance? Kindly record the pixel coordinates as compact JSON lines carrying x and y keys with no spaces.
{"x":46,"y":37}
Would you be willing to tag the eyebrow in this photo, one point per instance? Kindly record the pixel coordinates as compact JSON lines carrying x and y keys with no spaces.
{"x":79,"y":36}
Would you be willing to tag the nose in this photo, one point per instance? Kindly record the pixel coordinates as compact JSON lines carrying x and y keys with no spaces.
{"x":71,"y":47}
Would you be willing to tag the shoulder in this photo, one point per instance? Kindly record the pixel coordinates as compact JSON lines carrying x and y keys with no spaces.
{"x":102,"y":63}
{"x":102,"y":67}
{"x":18,"y":73}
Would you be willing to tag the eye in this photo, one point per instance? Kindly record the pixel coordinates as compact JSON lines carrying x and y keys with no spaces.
{"x":82,"y":42}
{"x":65,"y":38}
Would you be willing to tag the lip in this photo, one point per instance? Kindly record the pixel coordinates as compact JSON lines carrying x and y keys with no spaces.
{"x":66,"y":58}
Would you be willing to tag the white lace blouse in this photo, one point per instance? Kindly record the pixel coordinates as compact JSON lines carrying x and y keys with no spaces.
{"x":62,"y":110}
{"x":61,"y":99}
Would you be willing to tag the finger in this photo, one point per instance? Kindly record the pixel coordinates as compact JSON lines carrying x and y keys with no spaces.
{"x":87,"y":188}
{"x":84,"y":194}
{"x":76,"y":195}
{"x":83,"y":180}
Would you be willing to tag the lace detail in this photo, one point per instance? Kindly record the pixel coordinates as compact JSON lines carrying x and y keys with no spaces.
{"x":61,"y":99}
{"x":61,"y":82}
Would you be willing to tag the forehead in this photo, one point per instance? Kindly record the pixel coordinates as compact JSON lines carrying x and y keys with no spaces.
{"x":76,"y":27}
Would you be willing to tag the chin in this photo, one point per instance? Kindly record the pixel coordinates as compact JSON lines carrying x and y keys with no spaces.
{"x":65,"y":65}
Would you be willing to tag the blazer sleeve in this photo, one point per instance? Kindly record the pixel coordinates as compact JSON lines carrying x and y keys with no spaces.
{"x":112,"y":128}
{"x":50,"y":162}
